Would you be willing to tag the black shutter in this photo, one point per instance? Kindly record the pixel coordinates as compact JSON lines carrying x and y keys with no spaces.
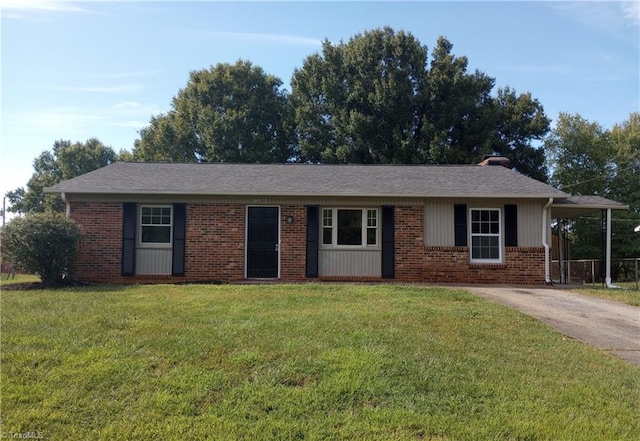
{"x":388,"y":244}
{"x":460,"y":224}
{"x":179,"y":228}
{"x":129,"y":217}
{"x":313,"y":231}
{"x":511,"y":225}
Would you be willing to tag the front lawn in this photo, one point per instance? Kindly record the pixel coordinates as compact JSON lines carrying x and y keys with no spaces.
{"x":623,"y":293}
{"x":12,"y":279}
{"x":285,"y":362}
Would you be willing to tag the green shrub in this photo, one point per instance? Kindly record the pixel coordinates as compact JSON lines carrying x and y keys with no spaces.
{"x":43,"y":244}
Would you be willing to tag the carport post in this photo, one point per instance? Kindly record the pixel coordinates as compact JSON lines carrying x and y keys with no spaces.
{"x":607,"y":279}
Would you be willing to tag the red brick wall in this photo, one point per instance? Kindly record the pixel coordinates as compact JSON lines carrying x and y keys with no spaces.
{"x":215,"y":249}
{"x":409,"y":243}
{"x":417,"y":263}
{"x":293,"y":243}
{"x":524,"y":266}
{"x":100,"y":252}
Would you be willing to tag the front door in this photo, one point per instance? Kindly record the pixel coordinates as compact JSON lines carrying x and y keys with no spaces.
{"x":262,"y":242}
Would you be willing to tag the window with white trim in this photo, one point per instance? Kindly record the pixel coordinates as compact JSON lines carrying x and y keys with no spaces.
{"x":486,"y":235}
{"x":156,"y":224}
{"x":349,"y":227}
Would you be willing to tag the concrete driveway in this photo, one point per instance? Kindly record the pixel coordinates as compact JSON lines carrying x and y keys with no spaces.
{"x":610,"y":326}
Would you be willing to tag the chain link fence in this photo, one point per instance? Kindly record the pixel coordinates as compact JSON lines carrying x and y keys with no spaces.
{"x":592,"y":271}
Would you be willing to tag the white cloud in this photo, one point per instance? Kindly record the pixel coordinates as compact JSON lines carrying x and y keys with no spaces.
{"x":130,"y":114}
{"x":63,"y":119}
{"x":554,"y":69}
{"x":261,"y":38}
{"x":619,"y":73}
{"x":616,"y":17}
{"x":128,"y":105}
{"x":71,"y":122}
{"x":631,"y":10}
{"x":134,"y":124}
{"x":132,"y":74}
{"x":125,"y":88}
{"x":42,"y":11}
{"x":41,"y":5}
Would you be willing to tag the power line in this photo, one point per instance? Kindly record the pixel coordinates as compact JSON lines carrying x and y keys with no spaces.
{"x":583,"y":182}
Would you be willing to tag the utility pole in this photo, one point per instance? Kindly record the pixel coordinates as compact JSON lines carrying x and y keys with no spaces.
{"x":4,"y":209}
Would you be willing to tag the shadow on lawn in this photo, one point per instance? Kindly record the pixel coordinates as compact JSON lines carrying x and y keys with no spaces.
{"x":36,"y":286}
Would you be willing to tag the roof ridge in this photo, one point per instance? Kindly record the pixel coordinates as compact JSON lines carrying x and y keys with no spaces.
{"x":293,"y":164}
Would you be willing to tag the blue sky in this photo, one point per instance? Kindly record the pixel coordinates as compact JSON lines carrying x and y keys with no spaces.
{"x":76,"y":70}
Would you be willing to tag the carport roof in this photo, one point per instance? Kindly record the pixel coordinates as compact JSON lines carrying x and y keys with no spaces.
{"x":576,"y":206}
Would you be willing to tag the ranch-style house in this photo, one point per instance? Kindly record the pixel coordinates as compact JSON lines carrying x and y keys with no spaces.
{"x":177,"y":222}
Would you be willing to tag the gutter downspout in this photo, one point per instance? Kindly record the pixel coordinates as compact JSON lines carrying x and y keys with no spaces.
{"x":67,"y":203}
{"x":545,"y":242}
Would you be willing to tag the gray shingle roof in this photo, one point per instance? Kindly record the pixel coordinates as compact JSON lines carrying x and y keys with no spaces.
{"x":590,"y":201}
{"x":576,"y":206}
{"x":307,"y":180}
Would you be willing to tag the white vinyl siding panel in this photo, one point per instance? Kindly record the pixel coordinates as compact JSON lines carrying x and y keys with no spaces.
{"x":153,"y":261}
{"x":355,"y":263}
{"x":439,"y":223}
{"x":530,"y":223}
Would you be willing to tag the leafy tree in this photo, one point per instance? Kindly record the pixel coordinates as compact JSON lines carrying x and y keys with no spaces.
{"x":625,"y":186}
{"x":520,"y":120}
{"x":230,"y":113}
{"x":375,"y":99}
{"x":458,"y":110}
{"x":625,"y":139}
{"x":580,"y":159}
{"x":580,"y":156}
{"x":587,"y":159}
{"x":359,"y":102}
{"x":43,"y":244}
{"x":167,"y":139}
{"x":64,"y":161}
{"x":125,"y":156}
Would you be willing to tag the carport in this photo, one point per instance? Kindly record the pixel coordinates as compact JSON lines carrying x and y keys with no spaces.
{"x":574,"y":207}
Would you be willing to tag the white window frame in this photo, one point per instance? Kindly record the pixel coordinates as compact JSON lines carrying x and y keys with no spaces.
{"x":364,"y":227}
{"x":142,"y":244}
{"x":499,"y":235}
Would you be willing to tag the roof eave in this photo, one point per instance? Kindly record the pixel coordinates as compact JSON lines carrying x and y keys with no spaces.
{"x":53,"y":190}
{"x":591,"y":206}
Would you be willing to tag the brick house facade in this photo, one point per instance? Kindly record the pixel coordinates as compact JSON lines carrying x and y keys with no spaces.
{"x":150,"y":223}
{"x":215,"y":250}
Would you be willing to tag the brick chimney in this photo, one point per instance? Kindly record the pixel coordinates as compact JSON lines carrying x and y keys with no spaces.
{"x":495,"y":160}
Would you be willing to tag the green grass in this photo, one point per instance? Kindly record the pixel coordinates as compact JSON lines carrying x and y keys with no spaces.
{"x":19,"y":278}
{"x":300,"y":362}
{"x":626,"y":293}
